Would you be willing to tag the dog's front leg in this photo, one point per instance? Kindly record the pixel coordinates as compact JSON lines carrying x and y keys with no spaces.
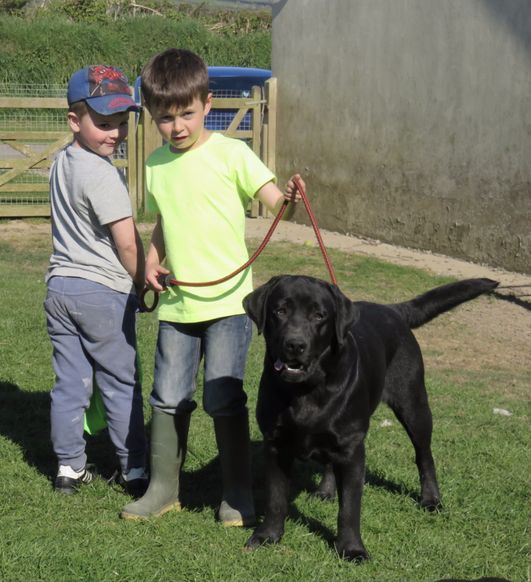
{"x":350,"y":477}
{"x":278,"y":468}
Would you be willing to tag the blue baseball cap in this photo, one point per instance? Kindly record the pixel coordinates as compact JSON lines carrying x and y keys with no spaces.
{"x":105,"y":89}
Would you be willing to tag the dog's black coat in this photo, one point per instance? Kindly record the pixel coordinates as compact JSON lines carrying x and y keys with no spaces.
{"x":328,"y":363}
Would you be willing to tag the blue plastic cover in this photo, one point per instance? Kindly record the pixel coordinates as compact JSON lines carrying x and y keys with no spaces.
{"x":236,"y":78}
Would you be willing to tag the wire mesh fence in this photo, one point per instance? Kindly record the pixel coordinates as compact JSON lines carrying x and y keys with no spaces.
{"x":27,"y":137}
{"x":33,"y":119}
{"x":220,"y":119}
{"x":32,"y":90}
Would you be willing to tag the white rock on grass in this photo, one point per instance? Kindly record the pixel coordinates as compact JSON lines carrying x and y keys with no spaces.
{"x":502,"y":412}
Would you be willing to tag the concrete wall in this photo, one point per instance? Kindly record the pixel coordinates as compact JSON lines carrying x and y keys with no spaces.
{"x":411,"y":120}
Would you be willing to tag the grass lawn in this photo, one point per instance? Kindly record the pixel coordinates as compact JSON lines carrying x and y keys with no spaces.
{"x":483,"y":465}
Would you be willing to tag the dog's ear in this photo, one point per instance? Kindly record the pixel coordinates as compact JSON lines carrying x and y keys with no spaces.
{"x":346,"y":314}
{"x":255,"y":304}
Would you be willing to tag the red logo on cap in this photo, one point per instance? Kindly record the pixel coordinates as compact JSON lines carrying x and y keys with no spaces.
{"x":119,"y":102}
{"x":104,"y":80}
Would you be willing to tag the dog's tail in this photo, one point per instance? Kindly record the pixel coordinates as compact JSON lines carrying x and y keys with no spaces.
{"x":426,"y":307}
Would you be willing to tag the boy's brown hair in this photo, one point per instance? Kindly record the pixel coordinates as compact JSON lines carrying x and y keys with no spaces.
{"x":174,"y":78}
{"x":80,"y":108}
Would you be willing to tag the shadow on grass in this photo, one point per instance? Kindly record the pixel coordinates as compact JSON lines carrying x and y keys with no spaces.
{"x":305,"y":476}
{"x":25,"y":420}
{"x":306,"y":481}
{"x":203,"y":487}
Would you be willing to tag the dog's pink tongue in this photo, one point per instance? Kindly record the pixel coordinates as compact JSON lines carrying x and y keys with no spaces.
{"x":279,"y":365}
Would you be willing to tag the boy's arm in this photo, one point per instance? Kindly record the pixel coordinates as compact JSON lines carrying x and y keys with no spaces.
{"x":271,"y":196}
{"x":130,"y":249}
{"x":156,"y":254}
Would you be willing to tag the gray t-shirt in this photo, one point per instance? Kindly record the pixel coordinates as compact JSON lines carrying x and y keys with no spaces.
{"x":87,"y":193}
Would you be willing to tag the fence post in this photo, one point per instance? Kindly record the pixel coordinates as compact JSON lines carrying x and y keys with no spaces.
{"x":271,"y":120}
{"x":256,"y":98}
{"x":132,"y":160}
{"x":269,"y":128}
{"x":149,"y":139}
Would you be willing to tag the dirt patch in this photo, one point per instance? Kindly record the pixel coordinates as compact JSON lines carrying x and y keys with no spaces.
{"x":491,"y":333}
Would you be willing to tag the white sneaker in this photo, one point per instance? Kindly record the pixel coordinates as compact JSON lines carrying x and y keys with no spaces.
{"x":68,"y":480}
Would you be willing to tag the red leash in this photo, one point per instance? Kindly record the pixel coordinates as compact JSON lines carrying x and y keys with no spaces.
{"x":169,"y":280}
{"x":313,"y":220}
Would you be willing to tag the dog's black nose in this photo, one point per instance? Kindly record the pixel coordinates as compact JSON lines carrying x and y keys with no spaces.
{"x":295,"y":346}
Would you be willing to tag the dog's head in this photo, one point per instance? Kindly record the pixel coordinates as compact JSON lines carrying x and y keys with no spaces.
{"x":302,"y":318}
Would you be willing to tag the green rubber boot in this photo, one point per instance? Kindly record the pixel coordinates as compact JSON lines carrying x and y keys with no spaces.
{"x":169,"y":436}
{"x":232,"y":437}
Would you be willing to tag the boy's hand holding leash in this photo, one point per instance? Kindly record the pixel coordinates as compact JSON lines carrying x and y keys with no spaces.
{"x":292,"y":193}
{"x":155,"y":278}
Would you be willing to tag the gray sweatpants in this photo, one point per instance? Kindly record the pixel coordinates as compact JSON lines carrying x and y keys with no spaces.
{"x":93,"y":334}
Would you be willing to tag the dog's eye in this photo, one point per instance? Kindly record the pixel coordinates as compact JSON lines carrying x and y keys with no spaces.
{"x":318,"y":315}
{"x":280,"y":311}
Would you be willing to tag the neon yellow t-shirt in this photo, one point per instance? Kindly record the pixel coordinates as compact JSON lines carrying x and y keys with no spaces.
{"x":201,"y":196}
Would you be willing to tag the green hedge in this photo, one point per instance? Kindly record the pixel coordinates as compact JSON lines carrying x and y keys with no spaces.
{"x":48,"y":47}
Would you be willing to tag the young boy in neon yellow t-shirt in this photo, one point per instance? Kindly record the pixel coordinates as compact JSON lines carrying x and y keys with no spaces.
{"x":200,"y":184}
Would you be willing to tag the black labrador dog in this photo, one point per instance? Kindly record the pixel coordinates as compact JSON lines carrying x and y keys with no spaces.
{"x":328,"y":363}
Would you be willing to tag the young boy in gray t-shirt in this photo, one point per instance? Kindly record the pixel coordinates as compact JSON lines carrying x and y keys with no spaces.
{"x":96,"y":269}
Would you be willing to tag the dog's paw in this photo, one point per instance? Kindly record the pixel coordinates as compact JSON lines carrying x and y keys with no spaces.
{"x":432,"y":505}
{"x":324,"y":495}
{"x":261,"y":539}
{"x":352,"y":553}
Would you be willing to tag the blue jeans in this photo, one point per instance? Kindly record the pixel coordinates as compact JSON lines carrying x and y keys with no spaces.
{"x":223,"y":343}
{"x":93,"y":334}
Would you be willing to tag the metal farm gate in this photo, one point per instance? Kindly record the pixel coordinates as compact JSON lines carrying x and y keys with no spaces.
{"x":33,"y":128}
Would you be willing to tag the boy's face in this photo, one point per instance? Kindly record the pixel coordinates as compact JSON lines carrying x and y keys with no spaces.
{"x":183,"y":128}
{"x":101,"y":134}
